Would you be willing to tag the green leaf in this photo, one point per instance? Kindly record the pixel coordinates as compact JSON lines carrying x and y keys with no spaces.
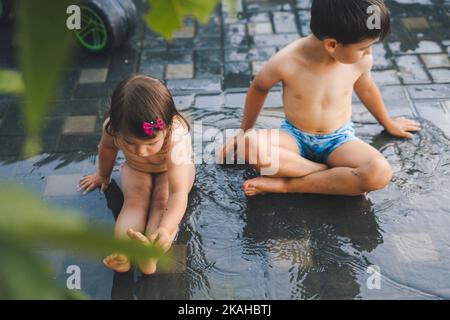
{"x":24,"y":276}
{"x":27,"y":219}
{"x":11,"y":82}
{"x":167,"y":16}
{"x":45,"y":44}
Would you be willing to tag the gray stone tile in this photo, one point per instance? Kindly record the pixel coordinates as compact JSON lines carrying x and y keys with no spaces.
{"x":416,"y":247}
{"x":440,"y":75}
{"x":436,"y":112}
{"x":385,"y":77}
{"x":180,"y":71}
{"x":257,"y":66}
{"x":422,"y":47}
{"x":284,"y":22}
{"x":274,"y":99}
{"x":209,"y":101}
{"x":235,"y":99}
{"x":62,"y":185}
{"x":185,"y":32}
{"x":279,"y":40}
{"x":435,"y":91}
{"x":97,"y":75}
{"x":155,"y":70}
{"x":259,"y":28}
{"x":194,"y":85}
{"x":79,"y":124}
{"x":411,"y":70}
{"x":183,"y":102}
{"x":380,"y":60}
{"x":259,"y":17}
{"x":415,"y":23}
{"x":304,"y":4}
{"x":436,"y":60}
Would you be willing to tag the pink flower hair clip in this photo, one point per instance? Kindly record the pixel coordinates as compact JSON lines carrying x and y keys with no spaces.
{"x":149,"y":127}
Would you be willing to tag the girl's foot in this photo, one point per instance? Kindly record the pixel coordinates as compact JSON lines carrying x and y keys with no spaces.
{"x":263,"y":185}
{"x":148,"y":267}
{"x":117,"y":262}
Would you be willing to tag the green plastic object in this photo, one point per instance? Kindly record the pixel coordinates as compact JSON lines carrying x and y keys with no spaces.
{"x":93,"y":34}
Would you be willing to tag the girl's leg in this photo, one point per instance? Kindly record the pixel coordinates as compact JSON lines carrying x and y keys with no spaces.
{"x":136,"y":187}
{"x":158,"y":205}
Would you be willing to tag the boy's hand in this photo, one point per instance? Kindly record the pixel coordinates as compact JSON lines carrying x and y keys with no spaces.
{"x":161,"y":237}
{"x":89,"y":183}
{"x":230,"y":148}
{"x":401,"y":127}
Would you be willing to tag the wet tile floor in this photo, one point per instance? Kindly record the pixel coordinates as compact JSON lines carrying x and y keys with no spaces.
{"x":272,"y":247}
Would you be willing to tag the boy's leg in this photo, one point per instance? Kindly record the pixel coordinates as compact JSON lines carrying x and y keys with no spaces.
{"x":275,"y":153}
{"x":357,"y":168}
{"x":136,"y":187}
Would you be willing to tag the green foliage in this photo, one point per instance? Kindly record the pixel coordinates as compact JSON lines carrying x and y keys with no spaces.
{"x":26,"y":222}
{"x":11,"y":82}
{"x":45,"y":44}
{"x":167,"y":16}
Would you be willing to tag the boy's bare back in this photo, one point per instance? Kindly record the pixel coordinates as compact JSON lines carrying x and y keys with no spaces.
{"x":317,"y":95}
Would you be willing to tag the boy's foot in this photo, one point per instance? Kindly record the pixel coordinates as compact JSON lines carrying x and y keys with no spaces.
{"x":263,"y":185}
{"x":148,"y":267}
{"x":117,"y":262}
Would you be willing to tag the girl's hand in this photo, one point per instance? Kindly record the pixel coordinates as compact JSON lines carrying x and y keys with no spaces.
{"x":89,"y":183}
{"x":401,"y":127}
{"x":162,"y":238}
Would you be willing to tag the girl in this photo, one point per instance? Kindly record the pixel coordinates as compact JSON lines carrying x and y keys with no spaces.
{"x":158,"y":172}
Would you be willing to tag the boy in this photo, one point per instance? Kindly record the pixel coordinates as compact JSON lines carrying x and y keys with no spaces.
{"x":315,"y":150}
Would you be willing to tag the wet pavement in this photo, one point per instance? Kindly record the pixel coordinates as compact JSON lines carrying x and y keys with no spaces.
{"x":271,"y":247}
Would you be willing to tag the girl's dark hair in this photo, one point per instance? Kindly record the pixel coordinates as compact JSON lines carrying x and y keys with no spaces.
{"x":346,"y":20}
{"x":140,"y":98}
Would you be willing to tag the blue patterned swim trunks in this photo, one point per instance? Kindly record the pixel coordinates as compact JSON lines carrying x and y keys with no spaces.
{"x":318,"y":147}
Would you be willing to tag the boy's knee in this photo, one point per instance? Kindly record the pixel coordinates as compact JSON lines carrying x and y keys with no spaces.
{"x":376,"y":175}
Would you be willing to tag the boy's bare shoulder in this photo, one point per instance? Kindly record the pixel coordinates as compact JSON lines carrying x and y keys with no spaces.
{"x":286,"y":60}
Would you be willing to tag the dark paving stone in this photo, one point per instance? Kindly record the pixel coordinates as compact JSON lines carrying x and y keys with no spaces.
{"x":12,"y":123}
{"x":181,"y":44}
{"x":237,"y":74}
{"x":11,"y":145}
{"x":208,"y":63}
{"x":213,"y":42}
{"x":78,"y":143}
{"x":176,"y":56}
{"x":155,"y":70}
{"x":94,"y":90}
{"x":154,"y":44}
{"x":122,"y":65}
{"x":83,"y":60}
{"x":76,"y":107}
{"x":210,"y":29}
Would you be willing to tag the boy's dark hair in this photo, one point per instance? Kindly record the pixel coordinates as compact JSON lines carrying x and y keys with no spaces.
{"x":346,"y":20}
{"x":140,"y":98}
